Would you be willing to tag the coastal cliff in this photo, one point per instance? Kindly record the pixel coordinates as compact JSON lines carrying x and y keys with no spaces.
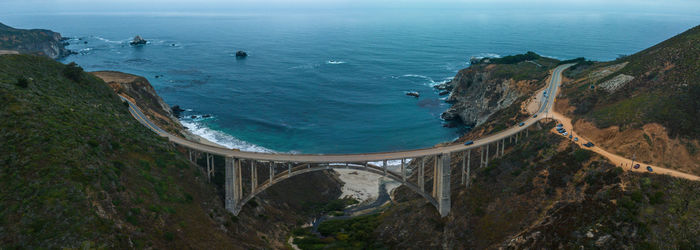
{"x":34,"y":41}
{"x":482,"y":89}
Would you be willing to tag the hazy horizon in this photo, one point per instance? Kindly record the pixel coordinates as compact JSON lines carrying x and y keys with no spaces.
{"x":8,"y":7}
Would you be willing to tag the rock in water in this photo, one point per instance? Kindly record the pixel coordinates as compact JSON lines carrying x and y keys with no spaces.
{"x":413,"y":93}
{"x":241,"y":54}
{"x":138,"y":41}
{"x":177,"y":111}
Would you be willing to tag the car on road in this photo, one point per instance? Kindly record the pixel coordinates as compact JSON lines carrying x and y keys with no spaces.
{"x":636,"y":166}
{"x":560,"y":125}
{"x":575,"y":138}
{"x":589,"y":144}
{"x":565,"y":133}
{"x":521,"y":124}
{"x":570,"y":136}
{"x":534,"y":116}
{"x":649,"y":169}
{"x":468,"y":143}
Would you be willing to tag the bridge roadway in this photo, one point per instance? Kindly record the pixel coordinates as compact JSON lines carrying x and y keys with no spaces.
{"x":546,"y":107}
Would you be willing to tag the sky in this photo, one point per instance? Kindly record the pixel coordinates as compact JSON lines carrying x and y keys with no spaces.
{"x":686,"y":7}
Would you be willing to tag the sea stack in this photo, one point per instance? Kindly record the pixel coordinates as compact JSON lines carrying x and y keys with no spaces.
{"x":241,"y":54}
{"x":138,"y":41}
{"x":413,"y":93}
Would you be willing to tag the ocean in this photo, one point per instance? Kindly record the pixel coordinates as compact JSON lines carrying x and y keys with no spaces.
{"x":334,"y":81}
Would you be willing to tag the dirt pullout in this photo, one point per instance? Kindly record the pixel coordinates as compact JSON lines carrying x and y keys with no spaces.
{"x":650,"y":145}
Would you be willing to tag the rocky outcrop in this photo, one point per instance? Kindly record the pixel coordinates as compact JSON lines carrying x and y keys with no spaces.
{"x":477,"y":93}
{"x":413,"y":93}
{"x":138,"y":41}
{"x":616,"y":82}
{"x":35,"y":41}
{"x":139,"y":90}
{"x":241,"y":54}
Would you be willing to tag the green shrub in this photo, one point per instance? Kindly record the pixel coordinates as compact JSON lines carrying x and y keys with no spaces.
{"x":22,"y":82}
{"x":73,"y":72}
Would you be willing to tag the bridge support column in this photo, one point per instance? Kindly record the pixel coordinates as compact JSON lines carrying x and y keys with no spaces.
{"x":421,"y":176}
{"x":469,"y":156}
{"x":464,"y":165}
{"x":516,"y":137}
{"x":435,"y":176}
{"x":253,"y":176}
{"x":210,"y":166}
{"x":272,"y":173}
{"x":486,"y":160}
{"x":232,"y":185}
{"x":289,"y":169}
{"x":403,"y":169}
{"x":384,"y":167}
{"x":498,"y":146}
{"x":190,"y":152}
{"x":527,"y":132}
{"x":503,"y":147}
{"x":442,"y":178}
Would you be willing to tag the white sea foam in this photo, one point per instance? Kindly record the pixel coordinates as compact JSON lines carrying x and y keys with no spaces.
{"x":334,"y":62}
{"x":222,"y":138}
{"x":429,"y":81}
{"x":489,"y":55}
{"x":107,"y":40}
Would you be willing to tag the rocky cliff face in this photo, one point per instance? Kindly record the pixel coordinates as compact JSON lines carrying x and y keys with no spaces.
{"x":35,"y":41}
{"x":140,"y":91}
{"x":479,"y":91}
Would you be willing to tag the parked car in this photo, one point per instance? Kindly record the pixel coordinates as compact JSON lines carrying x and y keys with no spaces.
{"x":521,"y":124}
{"x":560,"y":125}
{"x":534,"y":116}
{"x":588,"y":144}
{"x":649,"y":169}
{"x":636,"y":166}
{"x":468,"y":143}
{"x":575,"y":138}
{"x":570,"y":136}
{"x":565,"y":133}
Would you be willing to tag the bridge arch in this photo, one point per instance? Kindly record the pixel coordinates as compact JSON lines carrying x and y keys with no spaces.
{"x":235,"y":199}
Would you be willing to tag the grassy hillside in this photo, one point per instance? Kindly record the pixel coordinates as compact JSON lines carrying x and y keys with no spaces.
{"x":76,"y":170}
{"x":665,"y":88}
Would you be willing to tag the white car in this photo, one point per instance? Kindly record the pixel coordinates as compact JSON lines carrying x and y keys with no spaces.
{"x":565,"y":133}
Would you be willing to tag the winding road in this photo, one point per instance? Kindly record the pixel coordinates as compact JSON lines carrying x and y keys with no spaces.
{"x":545,"y":110}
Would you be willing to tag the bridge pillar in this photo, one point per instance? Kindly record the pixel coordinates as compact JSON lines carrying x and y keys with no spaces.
{"x":435,"y":176}
{"x":503,"y":147}
{"x":384,"y":167}
{"x":464,"y":165}
{"x":403,"y":169}
{"x":527,"y":132}
{"x":253,"y":176}
{"x":232,"y":185}
{"x":443,"y":184}
{"x":272,"y":173}
{"x":498,"y":146}
{"x":486,"y":160}
{"x":421,"y":176}
{"x":289,"y":169}
{"x":469,"y":156}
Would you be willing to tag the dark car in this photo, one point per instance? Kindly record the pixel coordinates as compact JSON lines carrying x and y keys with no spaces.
{"x":588,"y":144}
{"x":468,"y":143}
{"x":521,"y":124}
{"x":534,"y":116}
{"x":560,"y":125}
{"x":636,"y":166}
{"x":570,"y":136}
{"x":649,"y":169}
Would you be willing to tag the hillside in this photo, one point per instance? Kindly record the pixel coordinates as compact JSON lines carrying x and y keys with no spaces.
{"x":646,"y":105}
{"x":493,"y":84}
{"x":79,"y":171}
{"x":34,"y":41}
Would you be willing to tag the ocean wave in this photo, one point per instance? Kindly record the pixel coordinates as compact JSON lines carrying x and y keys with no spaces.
{"x":334,"y":62}
{"x":107,"y":40}
{"x":430,"y":82}
{"x":222,"y":138}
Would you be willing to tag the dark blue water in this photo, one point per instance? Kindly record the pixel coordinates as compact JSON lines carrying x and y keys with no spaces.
{"x":332,"y":82}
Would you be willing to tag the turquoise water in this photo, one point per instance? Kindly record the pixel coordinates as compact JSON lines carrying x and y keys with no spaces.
{"x":332,"y":82}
